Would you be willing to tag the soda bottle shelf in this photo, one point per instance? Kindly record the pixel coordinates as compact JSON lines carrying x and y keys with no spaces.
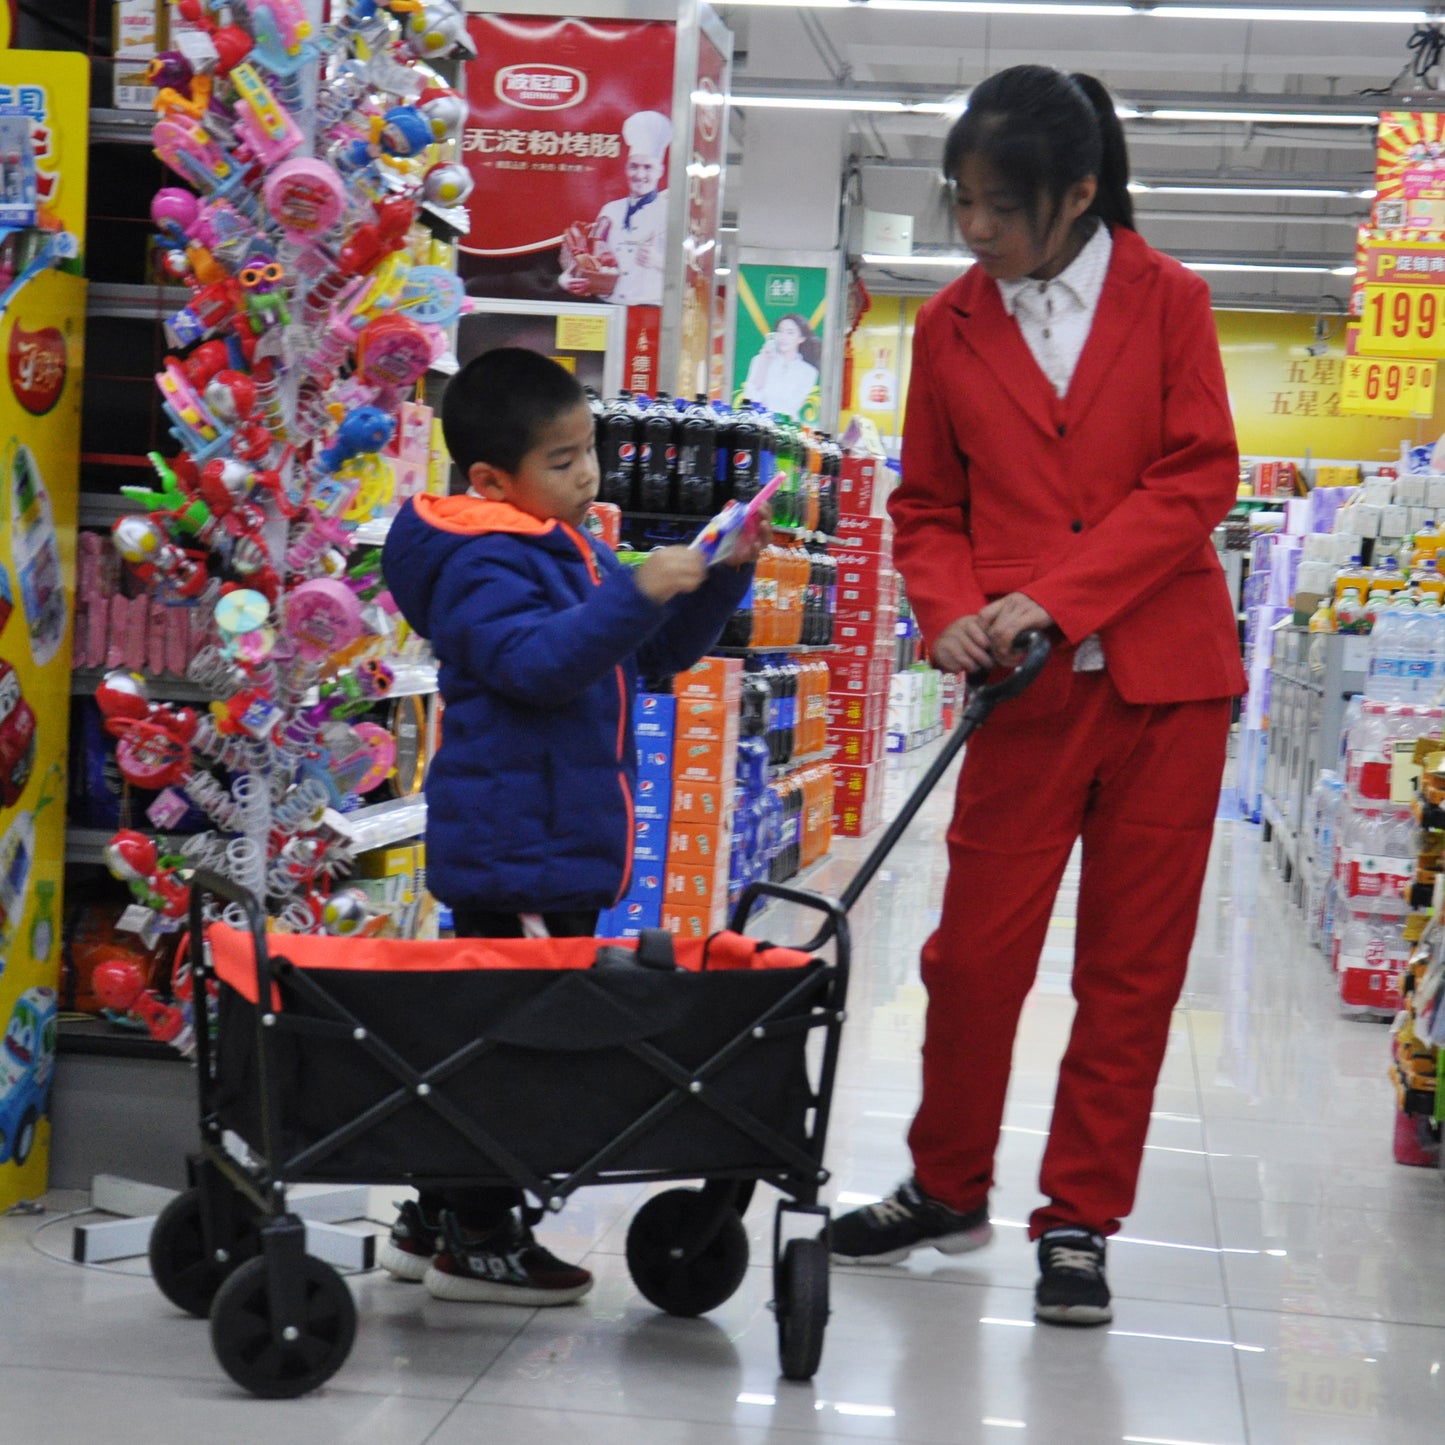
{"x":780,"y":648}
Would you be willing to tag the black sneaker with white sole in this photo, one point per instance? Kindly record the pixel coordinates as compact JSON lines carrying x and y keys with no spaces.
{"x":889,"y":1231}
{"x":505,"y":1266}
{"x":406,"y":1253}
{"x":1072,"y":1289}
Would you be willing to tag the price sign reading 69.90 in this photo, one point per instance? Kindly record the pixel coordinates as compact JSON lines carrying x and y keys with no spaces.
{"x":1388,"y":386}
{"x":1403,"y":321}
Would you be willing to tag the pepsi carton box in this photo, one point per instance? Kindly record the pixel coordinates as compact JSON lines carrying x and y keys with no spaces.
{"x":629,"y":918}
{"x":654,"y":797}
{"x":649,"y":841}
{"x":656,"y":716}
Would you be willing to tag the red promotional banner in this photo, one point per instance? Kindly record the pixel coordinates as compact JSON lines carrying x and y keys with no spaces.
{"x":704,"y":203}
{"x":567,"y":140}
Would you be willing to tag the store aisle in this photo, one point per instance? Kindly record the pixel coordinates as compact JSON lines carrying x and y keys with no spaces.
{"x":1281,"y":1281}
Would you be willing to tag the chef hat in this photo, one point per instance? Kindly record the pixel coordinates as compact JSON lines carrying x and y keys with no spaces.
{"x":648,"y":133}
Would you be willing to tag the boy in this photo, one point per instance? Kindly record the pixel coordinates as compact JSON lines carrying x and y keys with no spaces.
{"x":539,"y":633}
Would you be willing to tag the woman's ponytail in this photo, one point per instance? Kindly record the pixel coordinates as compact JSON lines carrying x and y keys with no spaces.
{"x":1113,"y":204}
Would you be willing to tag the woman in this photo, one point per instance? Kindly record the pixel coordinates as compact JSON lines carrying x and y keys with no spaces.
{"x":784,"y":374}
{"x":1067,"y":453}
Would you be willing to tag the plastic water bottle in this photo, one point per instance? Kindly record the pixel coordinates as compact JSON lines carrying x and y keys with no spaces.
{"x":1385,"y":680}
{"x":1418,"y":647}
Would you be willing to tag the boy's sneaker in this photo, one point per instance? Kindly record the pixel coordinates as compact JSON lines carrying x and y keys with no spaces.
{"x":506,"y":1266}
{"x":1072,"y":1289}
{"x":406,"y":1253}
{"x":889,"y":1231}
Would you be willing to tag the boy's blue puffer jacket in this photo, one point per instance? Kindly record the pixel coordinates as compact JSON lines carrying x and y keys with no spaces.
{"x":539,"y":632}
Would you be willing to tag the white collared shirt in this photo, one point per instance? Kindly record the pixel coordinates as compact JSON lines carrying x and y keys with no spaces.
{"x":1055,"y":317}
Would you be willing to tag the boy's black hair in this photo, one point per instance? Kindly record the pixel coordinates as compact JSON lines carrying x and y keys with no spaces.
{"x":1040,"y":131}
{"x":497,"y":403}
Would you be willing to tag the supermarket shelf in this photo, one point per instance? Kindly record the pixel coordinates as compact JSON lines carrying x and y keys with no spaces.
{"x":125,"y":127}
{"x":84,"y":682}
{"x":104,"y":509}
{"x":807,"y":760}
{"x":691,"y":519}
{"x":129,"y":302}
{"x":761,"y":651}
{"x":414,"y":679}
{"x":382,"y":824}
{"x":87,"y":845}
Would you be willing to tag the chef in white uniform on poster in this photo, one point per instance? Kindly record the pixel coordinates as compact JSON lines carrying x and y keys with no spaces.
{"x":621,"y":256}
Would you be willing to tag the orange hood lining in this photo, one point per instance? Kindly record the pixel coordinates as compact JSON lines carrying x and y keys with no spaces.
{"x":472,"y":516}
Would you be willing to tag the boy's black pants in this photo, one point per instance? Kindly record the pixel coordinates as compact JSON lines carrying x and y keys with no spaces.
{"x":479,"y":1211}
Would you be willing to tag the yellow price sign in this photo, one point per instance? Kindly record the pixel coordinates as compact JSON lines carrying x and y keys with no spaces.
{"x":581,"y":333}
{"x":1403,"y":321}
{"x":1388,"y":386}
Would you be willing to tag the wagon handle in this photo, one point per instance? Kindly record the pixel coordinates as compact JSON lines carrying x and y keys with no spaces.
{"x":983,"y":697}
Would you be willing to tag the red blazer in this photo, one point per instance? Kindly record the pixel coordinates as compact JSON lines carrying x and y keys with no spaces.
{"x":1099,"y":505}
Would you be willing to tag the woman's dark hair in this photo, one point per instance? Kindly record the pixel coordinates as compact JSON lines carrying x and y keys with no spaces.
{"x":810,"y":348}
{"x":1041,"y":131}
{"x":497,"y":404}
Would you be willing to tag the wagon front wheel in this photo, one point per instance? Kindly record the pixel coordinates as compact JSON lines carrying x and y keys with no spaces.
{"x":311,"y":1347}
{"x":802,"y":1307}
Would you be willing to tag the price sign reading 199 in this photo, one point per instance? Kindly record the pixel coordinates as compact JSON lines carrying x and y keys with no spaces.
{"x":1403,"y":321}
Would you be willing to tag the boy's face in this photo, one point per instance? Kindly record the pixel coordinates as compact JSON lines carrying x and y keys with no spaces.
{"x":557,"y":478}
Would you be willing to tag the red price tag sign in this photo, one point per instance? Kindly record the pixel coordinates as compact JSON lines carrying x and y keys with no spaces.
{"x":1388,"y":386}
{"x":1403,"y":321}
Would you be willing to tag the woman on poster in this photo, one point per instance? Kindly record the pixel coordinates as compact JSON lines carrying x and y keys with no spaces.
{"x":784,"y":374}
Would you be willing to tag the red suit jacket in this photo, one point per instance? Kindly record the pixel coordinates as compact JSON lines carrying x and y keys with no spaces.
{"x":1098,"y":505}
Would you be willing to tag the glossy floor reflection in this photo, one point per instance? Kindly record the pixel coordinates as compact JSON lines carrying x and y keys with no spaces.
{"x":1282,"y":1280}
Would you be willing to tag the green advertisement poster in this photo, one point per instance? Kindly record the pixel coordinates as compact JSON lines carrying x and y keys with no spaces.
{"x":778,"y":350}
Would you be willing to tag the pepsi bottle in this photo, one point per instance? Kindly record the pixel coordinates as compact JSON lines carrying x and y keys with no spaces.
{"x":828,"y":483}
{"x":617,"y":452}
{"x":655,"y":449}
{"x":696,"y":458}
{"x":745,"y":457}
{"x":768,"y":440}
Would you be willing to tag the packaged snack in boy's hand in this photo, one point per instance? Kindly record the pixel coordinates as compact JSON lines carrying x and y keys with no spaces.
{"x":736,"y":520}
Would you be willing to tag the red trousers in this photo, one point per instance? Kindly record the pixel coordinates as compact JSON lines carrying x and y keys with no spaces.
{"x":1140,"y":784}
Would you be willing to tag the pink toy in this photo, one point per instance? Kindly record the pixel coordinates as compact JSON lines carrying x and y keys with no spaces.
{"x":323,"y":616}
{"x":306,"y":197}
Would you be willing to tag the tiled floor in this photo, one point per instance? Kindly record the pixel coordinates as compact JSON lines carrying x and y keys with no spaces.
{"x":1281,"y":1281}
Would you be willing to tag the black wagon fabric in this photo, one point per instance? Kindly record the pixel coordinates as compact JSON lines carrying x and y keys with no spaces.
{"x":557,"y":1084}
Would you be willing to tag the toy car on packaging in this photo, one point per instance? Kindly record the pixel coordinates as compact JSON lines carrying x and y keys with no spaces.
{"x":27,"y":1064}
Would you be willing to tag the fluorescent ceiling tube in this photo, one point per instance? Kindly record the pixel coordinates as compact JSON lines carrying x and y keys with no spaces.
{"x":959,"y":262}
{"x":1287,"y":13}
{"x":1332,"y":193}
{"x":1259,"y":117}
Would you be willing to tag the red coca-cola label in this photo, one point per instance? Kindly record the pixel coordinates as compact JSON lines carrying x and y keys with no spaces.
{"x":38,"y":366}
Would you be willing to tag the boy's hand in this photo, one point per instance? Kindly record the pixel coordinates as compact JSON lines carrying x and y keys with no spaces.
{"x":669,"y":572}
{"x":749,"y":546}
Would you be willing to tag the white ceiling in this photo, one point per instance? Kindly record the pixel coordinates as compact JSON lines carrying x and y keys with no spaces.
{"x":1144,"y":58}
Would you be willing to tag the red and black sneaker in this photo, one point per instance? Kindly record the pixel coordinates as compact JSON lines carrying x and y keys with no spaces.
{"x":406,"y":1253}
{"x":505,"y":1266}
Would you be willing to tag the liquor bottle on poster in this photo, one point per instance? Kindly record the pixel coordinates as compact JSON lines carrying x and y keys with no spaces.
{"x":878,"y":390}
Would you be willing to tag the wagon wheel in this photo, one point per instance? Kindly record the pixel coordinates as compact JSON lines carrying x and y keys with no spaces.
{"x":183,"y":1270}
{"x":668,"y":1267}
{"x":324,"y":1329}
{"x":802,"y":1307}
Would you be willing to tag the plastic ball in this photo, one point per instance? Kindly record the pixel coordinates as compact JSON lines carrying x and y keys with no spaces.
{"x":345,"y":913}
{"x":172,"y":204}
{"x":117,"y":983}
{"x":447,"y":184}
{"x":405,"y":131}
{"x":122,"y":694}
{"x":435,"y":30}
{"x":137,"y":539}
{"x":231,"y":396}
{"x":445,"y":112}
